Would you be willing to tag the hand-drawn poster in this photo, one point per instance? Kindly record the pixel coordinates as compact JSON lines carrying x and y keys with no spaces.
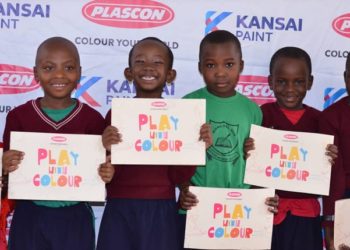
{"x":57,"y":167}
{"x":341,"y":223}
{"x":158,"y":131}
{"x":291,"y":161}
{"x":229,"y":219}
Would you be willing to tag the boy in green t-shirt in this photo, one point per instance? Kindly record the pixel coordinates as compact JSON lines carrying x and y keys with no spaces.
{"x":230,"y":115}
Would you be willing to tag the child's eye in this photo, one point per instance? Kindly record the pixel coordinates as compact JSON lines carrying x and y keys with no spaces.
{"x":69,"y":68}
{"x":210,"y":65}
{"x":159,"y":62}
{"x":139,"y":61}
{"x":299,"y":82}
{"x":229,"y":65}
{"x":281,"y":82}
{"x":47,"y":68}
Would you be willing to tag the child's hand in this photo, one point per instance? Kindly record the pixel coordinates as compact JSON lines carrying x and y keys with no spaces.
{"x":110,"y":136}
{"x":106,"y":170}
{"x":272,"y":203}
{"x":332,"y":153}
{"x":206,"y":135}
{"x":187,"y":199}
{"x":10,"y":160}
{"x":344,"y":247}
{"x":248,"y":146}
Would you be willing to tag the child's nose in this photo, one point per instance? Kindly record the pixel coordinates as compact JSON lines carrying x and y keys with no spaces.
{"x":220,"y":71}
{"x":59,"y":72}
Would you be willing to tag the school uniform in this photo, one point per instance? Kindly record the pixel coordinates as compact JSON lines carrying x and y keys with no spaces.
{"x":52,"y":224}
{"x":140,"y":212}
{"x":297,"y":225}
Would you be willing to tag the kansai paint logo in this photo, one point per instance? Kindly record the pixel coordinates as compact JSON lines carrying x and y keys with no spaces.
{"x":255,"y":88}
{"x":128,"y":14}
{"x":16,"y":79}
{"x":290,"y":136}
{"x":342,"y":25}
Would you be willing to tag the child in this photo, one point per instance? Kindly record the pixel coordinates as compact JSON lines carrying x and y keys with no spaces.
{"x":230,"y":115}
{"x":335,"y":120}
{"x":53,"y":224}
{"x":141,"y":209}
{"x":297,"y":224}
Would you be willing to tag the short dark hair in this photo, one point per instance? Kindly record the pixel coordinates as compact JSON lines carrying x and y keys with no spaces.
{"x":291,"y":52}
{"x":151,"y":38}
{"x":218,"y":37}
{"x":57,"y":40}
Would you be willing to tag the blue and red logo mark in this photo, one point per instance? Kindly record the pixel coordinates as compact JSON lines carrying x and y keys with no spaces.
{"x":81,"y":91}
{"x":211,"y":21}
{"x":331,"y":95}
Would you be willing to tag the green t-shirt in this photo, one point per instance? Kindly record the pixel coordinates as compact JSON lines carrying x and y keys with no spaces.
{"x":230,"y":119}
{"x":57,"y":115}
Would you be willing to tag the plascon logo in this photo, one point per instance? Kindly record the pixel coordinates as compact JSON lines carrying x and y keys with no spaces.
{"x":158,"y":104}
{"x":234,"y":194}
{"x":16,"y":79}
{"x":255,"y":88}
{"x":58,"y":138}
{"x":128,"y":14}
{"x":290,"y":136}
{"x":342,"y":25}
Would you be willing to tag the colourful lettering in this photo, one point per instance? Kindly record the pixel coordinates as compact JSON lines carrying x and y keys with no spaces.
{"x":294,"y":153}
{"x":63,"y":157}
{"x":290,"y":174}
{"x":56,"y":181}
{"x":234,"y":232}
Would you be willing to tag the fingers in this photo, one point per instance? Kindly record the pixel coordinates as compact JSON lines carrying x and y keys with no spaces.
{"x":106,"y":172}
{"x":206,"y":135}
{"x":187,"y":199}
{"x":272,"y":203}
{"x":248,"y":146}
{"x":111,"y":136}
{"x":11,"y":159}
{"x":332,"y":153}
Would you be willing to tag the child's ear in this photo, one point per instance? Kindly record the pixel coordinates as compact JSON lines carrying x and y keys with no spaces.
{"x":171,"y":75}
{"x":241,"y":66}
{"x":269,"y":80}
{"x":36,"y":77}
{"x":128,"y":74}
{"x":199,"y":68}
{"x":311,"y":80}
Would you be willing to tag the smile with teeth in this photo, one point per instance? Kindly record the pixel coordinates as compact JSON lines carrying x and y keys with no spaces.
{"x":148,"y":78}
{"x":58,"y":85}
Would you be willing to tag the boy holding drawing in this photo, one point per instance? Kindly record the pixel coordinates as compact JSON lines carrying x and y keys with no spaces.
{"x":297,"y":224}
{"x":141,"y":209}
{"x":230,"y":115}
{"x":53,"y":224}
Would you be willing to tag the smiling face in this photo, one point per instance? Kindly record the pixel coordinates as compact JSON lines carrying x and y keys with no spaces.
{"x":150,"y":68}
{"x":290,"y":79}
{"x":58,"y":71}
{"x":220,"y":65}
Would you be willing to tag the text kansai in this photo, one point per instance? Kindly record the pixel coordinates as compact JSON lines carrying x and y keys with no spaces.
{"x":158,"y":139}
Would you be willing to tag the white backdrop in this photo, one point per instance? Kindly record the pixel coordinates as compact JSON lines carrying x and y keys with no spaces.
{"x":104,"y":32}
